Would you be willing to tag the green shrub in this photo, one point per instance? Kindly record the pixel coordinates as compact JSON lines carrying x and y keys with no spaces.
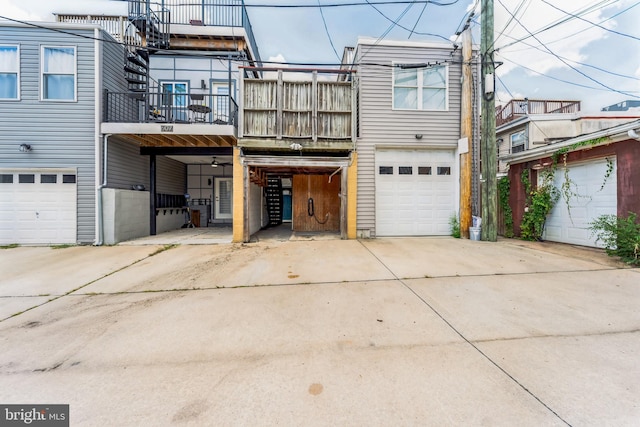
{"x":620,"y":236}
{"x":540,"y":201}
{"x":455,"y":226}
{"x":504,"y":187}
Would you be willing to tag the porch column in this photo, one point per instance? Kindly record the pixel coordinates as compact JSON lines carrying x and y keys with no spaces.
{"x":152,"y":196}
{"x":238,"y":197}
{"x":352,"y":196}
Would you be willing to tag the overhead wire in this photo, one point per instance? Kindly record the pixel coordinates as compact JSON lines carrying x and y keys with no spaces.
{"x":518,"y":8}
{"x":418,"y":20}
{"x":350,"y":4}
{"x":561,"y":80}
{"x":563,"y":20}
{"x":324,"y":22}
{"x":565,"y":62}
{"x":584,"y":64}
{"x":564,"y":38}
{"x":591,"y":22}
{"x":396,"y":22}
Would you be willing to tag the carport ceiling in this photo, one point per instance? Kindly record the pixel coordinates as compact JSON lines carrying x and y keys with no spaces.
{"x":203,"y":160}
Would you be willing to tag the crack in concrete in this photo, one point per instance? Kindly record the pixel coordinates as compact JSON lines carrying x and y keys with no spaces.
{"x":594,"y":334}
{"x":57,"y":297}
{"x":453,"y":328}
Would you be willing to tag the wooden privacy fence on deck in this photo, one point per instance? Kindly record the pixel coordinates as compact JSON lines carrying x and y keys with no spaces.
{"x":297,"y":109}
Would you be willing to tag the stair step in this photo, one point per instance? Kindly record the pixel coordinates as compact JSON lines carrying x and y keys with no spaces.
{"x":136,"y":60}
{"x":136,"y":81}
{"x":137,"y":71}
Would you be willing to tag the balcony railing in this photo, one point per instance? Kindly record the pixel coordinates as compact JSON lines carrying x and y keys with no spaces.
{"x":215,"y":13}
{"x":517,"y":108}
{"x":156,"y":107}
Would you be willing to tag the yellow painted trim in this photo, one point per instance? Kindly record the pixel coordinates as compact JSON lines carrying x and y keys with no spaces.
{"x":352,"y":196}
{"x":238,"y":197}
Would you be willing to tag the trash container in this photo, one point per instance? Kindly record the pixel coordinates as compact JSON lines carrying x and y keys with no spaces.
{"x":474,"y":233}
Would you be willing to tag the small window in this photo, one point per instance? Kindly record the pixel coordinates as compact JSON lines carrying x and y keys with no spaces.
{"x":58,"y":73}
{"x":9,"y":72}
{"x":48,"y":178}
{"x":424,"y":170}
{"x":6,"y":178}
{"x":26,"y":178}
{"x":405,"y":170}
{"x":68,"y":179}
{"x":420,"y":88}
{"x":444,"y":170}
{"x":518,"y":141}
{"x":386,"y":170}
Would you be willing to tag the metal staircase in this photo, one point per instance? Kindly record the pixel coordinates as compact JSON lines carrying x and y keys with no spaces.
{"x":148,"y":32}
{"x":273,"y":193}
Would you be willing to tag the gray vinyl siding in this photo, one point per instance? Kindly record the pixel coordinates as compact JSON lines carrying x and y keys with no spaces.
{"x":113,"y":55}
{"x":171,"y":176}
{"x":62,"y":134}
{"x":379,"y":123}
{"x":126,"y":168}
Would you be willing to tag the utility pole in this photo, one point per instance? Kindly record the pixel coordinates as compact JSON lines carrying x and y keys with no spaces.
{"x":488,"y":149}
{"x":466,"y":132}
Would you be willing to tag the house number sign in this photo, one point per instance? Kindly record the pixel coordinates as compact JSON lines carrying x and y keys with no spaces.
{"x":166,"y":128}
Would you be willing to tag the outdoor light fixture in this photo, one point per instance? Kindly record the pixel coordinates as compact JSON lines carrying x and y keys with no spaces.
{"x":418,"y":136}
{"x":25,"y":148}
{"x":214,"y":163}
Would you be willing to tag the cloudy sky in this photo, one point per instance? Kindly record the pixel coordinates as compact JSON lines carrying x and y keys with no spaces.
{"x":587,"y":50}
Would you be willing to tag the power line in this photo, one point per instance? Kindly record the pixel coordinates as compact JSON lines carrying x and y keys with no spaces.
{"x":396,"y":23}
{"x":418,"y":20}
{"x":592,"y":23}
{"x":584,"y":64}
{"x":565,"y":62}
{"x":588,"y":9}
{"x":585,"y":29}
{"x":349,"y":4}
{"x":218,"y":56}
{"x":518,"y":8}
{"x":327,"y":30}
{"x":561,"y":80}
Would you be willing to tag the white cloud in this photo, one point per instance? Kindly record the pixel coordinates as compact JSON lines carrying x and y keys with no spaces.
{"x":278,"y":58}
{"x":42,"y":10}
{"x":566,"y":37}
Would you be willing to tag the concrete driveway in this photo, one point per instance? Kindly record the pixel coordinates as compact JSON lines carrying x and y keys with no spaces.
{"x":425,"y":331}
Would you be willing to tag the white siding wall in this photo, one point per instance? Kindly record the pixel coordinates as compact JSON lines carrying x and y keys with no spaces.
{"x":381,"y":125}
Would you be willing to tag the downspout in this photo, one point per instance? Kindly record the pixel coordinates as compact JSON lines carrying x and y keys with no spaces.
{"x":99,"y":99}
{"x":100,"y":241}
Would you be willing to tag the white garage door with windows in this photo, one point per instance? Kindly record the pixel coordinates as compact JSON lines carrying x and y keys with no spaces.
{"x":38,"y":206}
{"x":590,"y":199}
{"x":415,"y":192}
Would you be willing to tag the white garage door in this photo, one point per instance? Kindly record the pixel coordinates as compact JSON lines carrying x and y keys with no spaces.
{"x":590,"y":200}
{"x":415,"y":192}
{"x":37,"y":207}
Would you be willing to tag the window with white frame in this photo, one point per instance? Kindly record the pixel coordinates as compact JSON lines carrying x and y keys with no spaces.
{"x":174,"y":100}
{"x":9,"y":72}
{"x":59,"y":73}
{"x":421,"y":88}
{"x":518,"y":142}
